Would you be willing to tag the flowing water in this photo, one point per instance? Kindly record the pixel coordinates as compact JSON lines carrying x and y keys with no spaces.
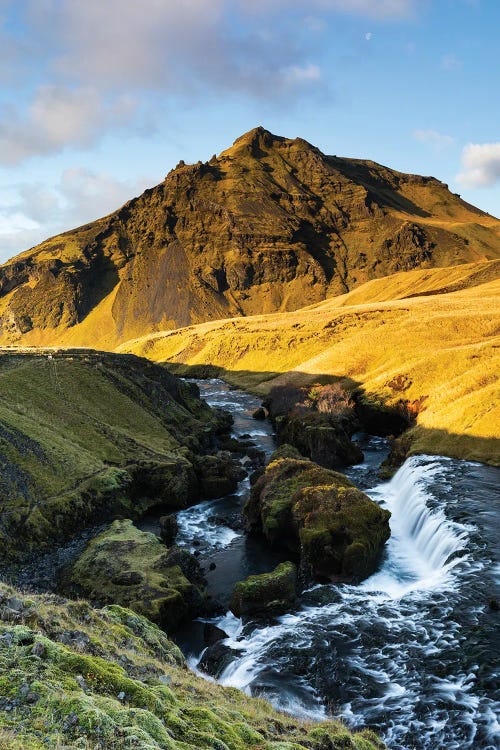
{"x":412,"y":651}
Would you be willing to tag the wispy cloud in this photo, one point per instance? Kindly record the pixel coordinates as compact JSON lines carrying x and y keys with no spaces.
{"x":31,"y":211}
{"x":103,"y":64}
{"x":438,"y":140}
{"x":451,"y":62}
{"x":481,"y":165}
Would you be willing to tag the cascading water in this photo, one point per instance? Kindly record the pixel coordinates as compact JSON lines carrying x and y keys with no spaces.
{"x":409,"y":652}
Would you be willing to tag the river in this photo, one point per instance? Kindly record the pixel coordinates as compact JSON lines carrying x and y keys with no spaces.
{"x":411,"y":652}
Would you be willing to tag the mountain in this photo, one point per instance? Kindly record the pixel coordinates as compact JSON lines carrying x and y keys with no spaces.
{"x":425,"y":341}
{"x":271,"y":224}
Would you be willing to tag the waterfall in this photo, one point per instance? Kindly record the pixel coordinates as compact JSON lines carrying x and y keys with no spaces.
{"x":422,"y":534}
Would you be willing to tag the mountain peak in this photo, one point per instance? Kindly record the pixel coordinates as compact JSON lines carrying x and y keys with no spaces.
{"x":271,"y":224}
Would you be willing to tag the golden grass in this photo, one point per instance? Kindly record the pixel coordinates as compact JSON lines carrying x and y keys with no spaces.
{"x":444,"y":343}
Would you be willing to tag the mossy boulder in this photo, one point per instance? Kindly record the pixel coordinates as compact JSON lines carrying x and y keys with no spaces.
{"x":269,"y":593}
{"x":324,"y":440}
{"x":335,"y":530}
{"x":72,"y":676}
{"x":125,"y":566}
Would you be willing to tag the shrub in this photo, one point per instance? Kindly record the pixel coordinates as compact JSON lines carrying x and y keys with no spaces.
{"x":333,"y":399}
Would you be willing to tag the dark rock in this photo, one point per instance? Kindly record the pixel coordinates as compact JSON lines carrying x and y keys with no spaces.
{"x":186,"y":562}
{"x":260,"y":413}
{"x":168,"y":529}
{"x":38,"y":649}
{"x":324,"y":440}
{"x":128,"y":578}
{"x":266,"y":594}
{"x":212,"y":634}
{"x":218,"y":475}
{"x":216,"y":658}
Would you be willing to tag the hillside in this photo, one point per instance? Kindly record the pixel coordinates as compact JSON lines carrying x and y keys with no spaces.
{"x":271,"y":224}
{"x":86,"y":437}
{"x":72,"y":676}
{"x":427,"y":339}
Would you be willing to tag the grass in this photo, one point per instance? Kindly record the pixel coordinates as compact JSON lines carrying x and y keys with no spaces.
{"x":73,"y":676}
{"x":76,"y":432}
{"x":401,"y":339}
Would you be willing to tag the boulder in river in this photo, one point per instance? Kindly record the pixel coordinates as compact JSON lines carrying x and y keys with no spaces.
{"x":218,"y":474}
{"x":260,"y":413}
{"x":320,"y":438}
{"x":168,"y":529}
{"x":319,"y":515}
{"x":269,"y":593}
{"x":132,"y":568}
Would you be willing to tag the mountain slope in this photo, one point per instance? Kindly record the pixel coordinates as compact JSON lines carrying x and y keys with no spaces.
{"x":269,"y":225}
{"x":427,"y":338}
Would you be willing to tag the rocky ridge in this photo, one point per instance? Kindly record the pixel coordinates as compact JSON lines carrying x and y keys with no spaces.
{"x":271,"y":224}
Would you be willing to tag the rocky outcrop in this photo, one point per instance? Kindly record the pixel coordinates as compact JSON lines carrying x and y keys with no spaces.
{"x":125,"y":566}
{"x":218,"y":474}
{"x":325,"y":441}
{"x":86,"y":437}
{"x":333,"y":528}
{"x":317,"y":420}
{"x":270,"y":224}
{"x":266,"y":594}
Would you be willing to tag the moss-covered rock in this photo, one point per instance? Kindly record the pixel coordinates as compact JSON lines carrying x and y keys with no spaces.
{"x":86,"y":437}
{"x":269,"y":593}
{"x":132,"y":568}
{"x":320,"y":516}
{"x":324,"y":440}
{"x":218,"y":474}
{"x":75,"y":677}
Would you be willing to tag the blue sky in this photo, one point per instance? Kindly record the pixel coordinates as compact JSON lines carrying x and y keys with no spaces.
{"x":101,"y":98}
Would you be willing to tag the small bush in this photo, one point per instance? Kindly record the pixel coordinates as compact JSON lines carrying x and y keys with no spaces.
{"x":333,"y":399}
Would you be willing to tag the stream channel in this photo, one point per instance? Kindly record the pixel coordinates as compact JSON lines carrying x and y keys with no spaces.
{"x":412,"y":651}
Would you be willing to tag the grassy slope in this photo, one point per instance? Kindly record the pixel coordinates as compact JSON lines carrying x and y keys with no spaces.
{"x":75,"y":677}
{"x":394,"y":337}
{"x":70,"y":424}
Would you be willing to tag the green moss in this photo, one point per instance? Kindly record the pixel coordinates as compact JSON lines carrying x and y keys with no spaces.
{"x":123,"y":565}
{"x":59,"y":689}
{"x":269,"y":593}
{"x":86,"y":436}
{"x":318,"y":514}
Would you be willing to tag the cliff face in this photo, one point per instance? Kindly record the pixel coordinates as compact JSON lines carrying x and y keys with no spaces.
{"x":270,"y":224}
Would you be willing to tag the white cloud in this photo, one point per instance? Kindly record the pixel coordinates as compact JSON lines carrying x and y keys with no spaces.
{"x":438,"y":140}
{"x":107,"y":63}
{"x":56,"y":117}
{"x":481,"y":165}
{"x":30,"y":212}
{"x":451,"y":62}
{"x":368,"y":36}
{"x":302,"y":74}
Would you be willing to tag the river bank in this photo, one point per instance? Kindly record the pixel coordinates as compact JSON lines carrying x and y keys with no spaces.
{"x":410,"y":651}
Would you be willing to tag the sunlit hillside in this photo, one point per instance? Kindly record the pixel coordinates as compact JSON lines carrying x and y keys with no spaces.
{"x":269,"y":225}
{"x":428,"y":337}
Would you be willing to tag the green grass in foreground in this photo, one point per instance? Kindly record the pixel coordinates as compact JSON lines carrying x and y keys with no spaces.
{"x":75,"y":677}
